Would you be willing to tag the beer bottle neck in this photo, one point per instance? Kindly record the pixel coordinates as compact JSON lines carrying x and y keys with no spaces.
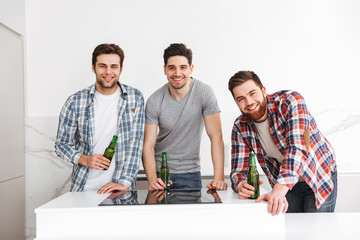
{"x":252,"y":163}
{"x":164,"y":160}
{"x":113,"y":142}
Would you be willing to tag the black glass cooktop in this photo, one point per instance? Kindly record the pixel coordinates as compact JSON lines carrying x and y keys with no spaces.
{"x":173,"y":196}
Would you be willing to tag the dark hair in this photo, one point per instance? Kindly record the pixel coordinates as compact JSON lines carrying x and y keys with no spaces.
{"x":242,"y":77}
{"x":108,"y":49}
{"x":177,"y":49}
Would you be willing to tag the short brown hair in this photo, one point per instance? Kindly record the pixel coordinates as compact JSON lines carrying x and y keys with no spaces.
{"x":242,"y":77}
{"x":108,"y":49}
{"x":177,"y":49}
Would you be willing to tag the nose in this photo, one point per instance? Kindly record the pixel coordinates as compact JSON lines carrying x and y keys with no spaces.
{"x":108,"y":70}
{"x":177,"y":71}
{"x":248,"y":101}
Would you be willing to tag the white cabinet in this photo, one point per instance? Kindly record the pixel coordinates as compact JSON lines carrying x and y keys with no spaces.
{"x":12,"y":150}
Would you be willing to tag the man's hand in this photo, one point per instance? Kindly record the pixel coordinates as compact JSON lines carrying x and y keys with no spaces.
{"x":276,"y":198}
{"x":157,"y":184}
{"x":109,"y":187}
{"x":217,"y":185}
{"x":96,"y":161}
{"x":245,"y":190}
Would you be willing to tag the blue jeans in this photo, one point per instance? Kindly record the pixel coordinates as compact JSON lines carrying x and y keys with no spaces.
{"x":301,"y":198}
{"x":185,"y":180}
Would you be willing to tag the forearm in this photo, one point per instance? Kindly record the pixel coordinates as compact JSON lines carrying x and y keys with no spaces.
{"x":238,"y":171}
{"x":217,"y":155}
{"x":133,"y":146}
{"x":149,"y":163}
{"x":67,"y":153}
{"x":131,"y":163}
{"x":240,"y":152}
{"x":290,"y":167}
{"x":297,"y":140}
{"x":280,"y":189}
{"x":67,"y":134}
{"x":236,"y":180}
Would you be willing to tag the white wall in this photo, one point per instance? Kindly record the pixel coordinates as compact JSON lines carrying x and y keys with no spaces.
{"x":308,"y":46}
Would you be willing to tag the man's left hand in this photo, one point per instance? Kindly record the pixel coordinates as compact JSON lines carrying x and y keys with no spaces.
{"x":217,"y":185}
{"x":109,"y":187}
{"x":276,"y":199}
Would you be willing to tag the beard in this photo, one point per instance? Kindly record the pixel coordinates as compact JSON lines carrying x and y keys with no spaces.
{"x":255,"y":116}
{"x":178,"y":86}
{"x":104,"y":84}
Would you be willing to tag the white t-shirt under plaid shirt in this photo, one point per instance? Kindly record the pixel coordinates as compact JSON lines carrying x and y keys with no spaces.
{"x":105,"y":107}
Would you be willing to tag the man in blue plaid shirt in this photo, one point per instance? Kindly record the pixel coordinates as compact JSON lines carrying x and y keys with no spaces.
{"x":91,"y":117}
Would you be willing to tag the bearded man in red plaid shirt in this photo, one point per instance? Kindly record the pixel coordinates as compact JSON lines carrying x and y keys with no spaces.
{"x":296,"y":158}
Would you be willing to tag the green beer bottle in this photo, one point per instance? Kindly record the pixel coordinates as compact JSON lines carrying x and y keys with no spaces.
{"x":164,"y":171}
{"x":253,"y":176}
{"x":110,"y":150}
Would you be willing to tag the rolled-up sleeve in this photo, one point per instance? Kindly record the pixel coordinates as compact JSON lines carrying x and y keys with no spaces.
{"x":135,"y":145}
{"x":239,"y":158}
{"x":65,"y":144}
{"x":298,"y":120}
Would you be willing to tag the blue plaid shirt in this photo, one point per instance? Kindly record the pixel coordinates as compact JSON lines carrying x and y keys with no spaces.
{"x":75,"y":135}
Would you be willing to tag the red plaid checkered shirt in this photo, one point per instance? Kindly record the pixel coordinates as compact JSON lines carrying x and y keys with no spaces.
{"x":288,"y":119}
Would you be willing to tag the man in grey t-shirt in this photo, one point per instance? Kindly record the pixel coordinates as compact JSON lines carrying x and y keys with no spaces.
{"x":179,"y":110}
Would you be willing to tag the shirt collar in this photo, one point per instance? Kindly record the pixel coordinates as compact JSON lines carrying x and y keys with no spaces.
{"x":122,"y":90}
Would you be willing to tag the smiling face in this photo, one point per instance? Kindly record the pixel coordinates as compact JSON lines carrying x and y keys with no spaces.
{"x":251,"y":101}
{"x":178,"y":71}
{"x":107,"y":70}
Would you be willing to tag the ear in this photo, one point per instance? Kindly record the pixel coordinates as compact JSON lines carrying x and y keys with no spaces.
{"x":191,"y":68}
{"x":121,"y":69}
{"x":165,"y":69}
{"x":264,"y":90}
{"x":93,"y":68}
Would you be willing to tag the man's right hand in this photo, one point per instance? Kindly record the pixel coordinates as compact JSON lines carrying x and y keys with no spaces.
{"x":157,"y":184}
{"x":96,"y":161}
{"x":246,"y":190}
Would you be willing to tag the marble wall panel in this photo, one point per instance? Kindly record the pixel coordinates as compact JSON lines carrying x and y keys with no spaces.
{"x":47,"y":176}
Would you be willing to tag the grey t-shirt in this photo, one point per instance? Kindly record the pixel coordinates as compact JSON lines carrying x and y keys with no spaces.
{"x":180,"y":124}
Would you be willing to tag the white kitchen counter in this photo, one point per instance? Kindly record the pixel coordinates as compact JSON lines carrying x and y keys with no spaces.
{"x":76,"y":215}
